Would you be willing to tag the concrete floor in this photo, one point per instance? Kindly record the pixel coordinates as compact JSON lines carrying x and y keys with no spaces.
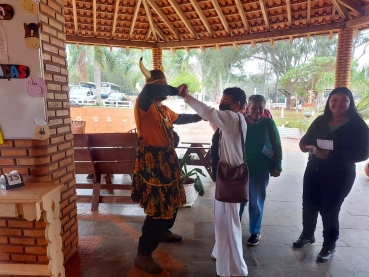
{"x":108,"y":238}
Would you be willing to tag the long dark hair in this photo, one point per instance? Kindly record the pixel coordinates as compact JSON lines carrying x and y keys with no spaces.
{"x":351,"y":112}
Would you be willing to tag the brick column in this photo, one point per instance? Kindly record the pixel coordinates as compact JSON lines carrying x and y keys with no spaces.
{"x":46,"y":161}
{"x":157,"y":55}
{"x":344,"y":57}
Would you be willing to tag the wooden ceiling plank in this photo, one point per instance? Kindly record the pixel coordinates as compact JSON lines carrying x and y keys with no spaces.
{"x":342,"y":10}
{"x":137,"y":8}
{"x":265,"y":14}
{"x":308,"y":12}
{"x":352,"y":6}
{"x":276,"y":34}
{"x":202,"y":16}
{"x":164,"y":18}
{"x":183,"y":17}
{"x":94,"y":6}
{"x":242,"y":14}
{"x":221,"y":16}
{"x":149,"y":18}
{"x":289,"y":13}
{"x":75,"y":17}
{"x":108,"y":42}
{"x":115,"y":17}
{"x":160,"y":32}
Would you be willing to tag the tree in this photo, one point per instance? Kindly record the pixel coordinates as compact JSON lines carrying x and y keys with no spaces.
{"x":191,"y":80}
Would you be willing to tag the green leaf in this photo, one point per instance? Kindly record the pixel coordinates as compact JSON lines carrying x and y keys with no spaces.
{"x":199,"y":187}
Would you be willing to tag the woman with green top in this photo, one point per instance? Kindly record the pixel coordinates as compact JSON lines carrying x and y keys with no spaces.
{"x":335,"y":141}
{"x":263,"y":157}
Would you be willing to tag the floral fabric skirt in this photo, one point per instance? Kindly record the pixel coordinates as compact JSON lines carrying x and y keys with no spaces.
{"x":156,"y":183}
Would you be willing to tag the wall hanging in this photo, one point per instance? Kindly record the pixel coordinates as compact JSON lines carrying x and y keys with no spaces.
{"x":42,"y":130}
{"x":14,"y":71}
{"x":32,"y":35}
{"x":6,"y":12}
{"x":36,"y":87}
{"x":29,"y":6}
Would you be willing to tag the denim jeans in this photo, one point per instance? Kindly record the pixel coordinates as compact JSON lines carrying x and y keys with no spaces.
{"x":258,"y":183}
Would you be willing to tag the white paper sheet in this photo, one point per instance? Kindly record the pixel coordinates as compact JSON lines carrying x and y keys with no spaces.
{"x":325,"y":144}
{"x":4,"y":58}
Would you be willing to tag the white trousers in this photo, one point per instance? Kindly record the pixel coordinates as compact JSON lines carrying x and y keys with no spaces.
{"x":228,"y":240}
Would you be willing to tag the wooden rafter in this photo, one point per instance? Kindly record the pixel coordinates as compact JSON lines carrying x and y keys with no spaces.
{"x":289,"y":13}
{"x":200,"y":13}
{"x":164,"y":18}
{"x":342,"y":10}
{"x":183,"y":17}
{"x":74,"y":5}
{"x":265,"y":14}
{"x":308,"y":13}
{"x":107,"y":42}
{"x":94,"y":6}
{"x":160,"y":32}
{"x":333,"y":13}
{"x":135,"y":13}
{"x":280,"y":34}
{"x":149,"y":18}
{"x":243,"y":15}
{"x":115,"y":17}
{"x":352,"y":6}
{"x":221,"y":16}
{"x":357,"y":22}
{"x":148,"y":34}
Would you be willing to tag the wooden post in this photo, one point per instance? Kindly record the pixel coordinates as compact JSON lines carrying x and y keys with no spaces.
{"x":344,"y":57}
{"x":157,"y":55}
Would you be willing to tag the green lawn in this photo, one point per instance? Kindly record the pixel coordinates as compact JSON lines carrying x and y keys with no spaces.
{"x":290,"y":115}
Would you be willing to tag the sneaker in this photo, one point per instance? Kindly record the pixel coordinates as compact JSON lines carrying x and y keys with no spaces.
{"x":147,"y":264}
{"x":254,"y":239}
{"x":325,"y":255}
{"x":302,"y":241}
{"x":170,"y":237}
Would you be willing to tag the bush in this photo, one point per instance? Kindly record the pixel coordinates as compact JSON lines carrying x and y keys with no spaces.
{"x":301,"y":124}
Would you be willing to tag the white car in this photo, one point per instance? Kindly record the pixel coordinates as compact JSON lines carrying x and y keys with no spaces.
{"x":81,"y":96}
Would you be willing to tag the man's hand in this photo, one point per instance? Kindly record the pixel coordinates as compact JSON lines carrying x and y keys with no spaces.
{"x":275,"y":173}
{"x":183,"y":90}
{"x":322,"y":154}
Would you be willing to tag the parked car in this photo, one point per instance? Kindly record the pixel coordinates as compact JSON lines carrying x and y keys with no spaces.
{"x":114,"y":97}
{"x":82,"y":96}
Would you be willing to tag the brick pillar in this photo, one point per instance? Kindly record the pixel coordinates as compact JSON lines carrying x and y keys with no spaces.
{"x":157,"y":55}
{"x":344,"y":57}
{"x":46,"y":161}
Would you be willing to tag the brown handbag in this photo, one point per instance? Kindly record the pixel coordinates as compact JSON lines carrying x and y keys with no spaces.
{"x":232,"y":184}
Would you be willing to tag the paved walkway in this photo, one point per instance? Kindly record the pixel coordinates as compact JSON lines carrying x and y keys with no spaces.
{"x":108,"y":238}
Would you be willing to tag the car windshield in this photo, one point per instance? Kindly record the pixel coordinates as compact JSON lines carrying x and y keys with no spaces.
{"x":115,"y":95}
{"x":78,"y":92}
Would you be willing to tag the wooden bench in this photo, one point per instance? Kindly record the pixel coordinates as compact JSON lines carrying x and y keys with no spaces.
{"x":106,"y":153}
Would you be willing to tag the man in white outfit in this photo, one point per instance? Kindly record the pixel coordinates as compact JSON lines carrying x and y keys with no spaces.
{"x":227,"y":250}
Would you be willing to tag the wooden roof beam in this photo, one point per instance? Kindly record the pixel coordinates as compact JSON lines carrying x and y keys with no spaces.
{"x":148,"y":34}
{"x":265,"y":14}
{"x":308,"y":12}
{"x":342,"y":10}
{"x":75,"y":17}
{"x":276,"y":34}
{"x":94,"y":6}
{"x":160,"y":32}
{"x":221,"y":16}
{"x":135,"y":13}
{"x":115,"y":17}
{"x":202,"y":16}
{"x":352,"y":6}
{"x":164,"y":18}
{"x":357,"y":22}
{"x":183,"y":17}
{"x":243,"y":15}
{"x":107,"y":42}
{"x":289,"y":13}
{"x":149,"y":18}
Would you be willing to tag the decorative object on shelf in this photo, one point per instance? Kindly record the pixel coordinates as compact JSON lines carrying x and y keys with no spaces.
{"x":96,"y":120}
{"x":193,"y":187}
{"x":8,"y":71}
{"x":108,"y":121}
{"x":12,"y":180}
{"x":29,"y":6}
{"x":41,"y":130}
{"x":78,"y":126}
{"x":32,"y":35}
{"x":36,"y":87}
{"x":6,"y":12}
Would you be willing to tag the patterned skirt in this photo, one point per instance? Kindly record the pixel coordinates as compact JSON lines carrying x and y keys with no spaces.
{"x":156,"y":183}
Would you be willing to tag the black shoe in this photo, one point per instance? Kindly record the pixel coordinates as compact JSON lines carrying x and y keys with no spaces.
{"x":170,"y":237}
{"x":147,"y":264}
{"x":325,"y":255}
{"x":302,"y":241}
{"x":254,"y":239}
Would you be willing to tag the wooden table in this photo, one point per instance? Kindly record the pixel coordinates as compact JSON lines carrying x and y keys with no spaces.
{"x":200,"y":155}
{"x":30,"y":202}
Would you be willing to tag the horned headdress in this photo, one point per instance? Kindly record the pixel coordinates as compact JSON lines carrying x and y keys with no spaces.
{"x":152,"y":75}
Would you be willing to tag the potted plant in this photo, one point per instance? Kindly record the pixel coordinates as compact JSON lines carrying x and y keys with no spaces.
{"x":191,"y":182}
{"x":308,"y":110}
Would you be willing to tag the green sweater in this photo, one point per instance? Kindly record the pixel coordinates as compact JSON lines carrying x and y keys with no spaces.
{"x":262,"y":133}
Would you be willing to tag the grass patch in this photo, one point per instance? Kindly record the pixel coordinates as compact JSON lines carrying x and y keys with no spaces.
{"x":290,"y":116}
